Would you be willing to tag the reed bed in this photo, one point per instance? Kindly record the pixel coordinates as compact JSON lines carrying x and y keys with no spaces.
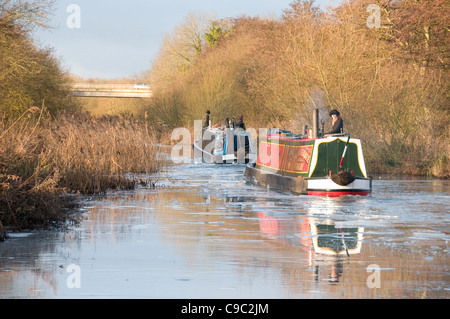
{"x":44,"y":159}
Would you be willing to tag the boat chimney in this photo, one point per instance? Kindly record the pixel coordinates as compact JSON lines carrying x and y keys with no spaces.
{"x":315,"y":123}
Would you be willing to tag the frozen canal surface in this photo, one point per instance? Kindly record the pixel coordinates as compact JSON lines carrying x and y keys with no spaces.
{"x":206,"y":234}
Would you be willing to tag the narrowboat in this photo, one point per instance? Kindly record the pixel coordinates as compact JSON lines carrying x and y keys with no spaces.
{"x":329,"y":165}
{"x":224,"y":145}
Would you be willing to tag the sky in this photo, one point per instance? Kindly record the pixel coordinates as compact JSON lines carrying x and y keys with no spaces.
{"x":113,"y":39}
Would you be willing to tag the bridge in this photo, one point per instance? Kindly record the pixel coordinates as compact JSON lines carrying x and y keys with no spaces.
{"x":111,"y":90}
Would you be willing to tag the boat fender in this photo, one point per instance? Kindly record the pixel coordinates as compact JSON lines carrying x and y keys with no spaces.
{"x":343,"y":178}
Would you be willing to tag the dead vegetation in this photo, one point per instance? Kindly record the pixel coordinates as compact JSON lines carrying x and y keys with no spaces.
{"x":44,"y":158}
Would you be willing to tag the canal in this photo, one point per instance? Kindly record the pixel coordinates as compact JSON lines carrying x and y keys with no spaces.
{"x":205,"y":233}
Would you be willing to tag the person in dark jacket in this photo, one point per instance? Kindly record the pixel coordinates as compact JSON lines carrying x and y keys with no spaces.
{"x":206,"y":124}
{"x":337,"y":125}
{"x":241,"y":123}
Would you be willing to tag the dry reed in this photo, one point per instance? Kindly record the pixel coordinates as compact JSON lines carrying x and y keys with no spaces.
{"x":43,"y":158}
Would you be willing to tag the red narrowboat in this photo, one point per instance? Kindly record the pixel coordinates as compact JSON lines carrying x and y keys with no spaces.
{"x":331,"y":165}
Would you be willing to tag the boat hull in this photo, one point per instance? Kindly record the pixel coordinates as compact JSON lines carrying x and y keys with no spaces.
{"x":327,"y":187}
{"x":327,"y":166}
{"x":307,"y":186}
{"x":203,"y":156}
{"x":224,"y":147}
{"x":261,"y":177}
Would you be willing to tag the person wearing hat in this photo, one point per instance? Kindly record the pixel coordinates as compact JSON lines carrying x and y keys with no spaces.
{"x":337,"y":125}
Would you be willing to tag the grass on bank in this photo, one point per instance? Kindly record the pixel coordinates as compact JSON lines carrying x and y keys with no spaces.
{"x":45,"y":158}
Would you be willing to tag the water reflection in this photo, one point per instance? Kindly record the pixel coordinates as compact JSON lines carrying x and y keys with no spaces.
{"x":209,"y":235}
{"x":324,"y":241}
{"x":306,"y":233}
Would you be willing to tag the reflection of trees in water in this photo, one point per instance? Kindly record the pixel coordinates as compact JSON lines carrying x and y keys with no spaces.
{"x":27,"y":264}
{"x":277,"y":240}
{"x":223,"y":227}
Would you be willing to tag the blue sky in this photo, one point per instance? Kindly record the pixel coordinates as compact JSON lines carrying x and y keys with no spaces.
{"x":120,"y":38}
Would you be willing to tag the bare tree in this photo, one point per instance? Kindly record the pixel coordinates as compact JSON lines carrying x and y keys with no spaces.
{"x":28,"y":74}
{"x":181,"y":48}
{"x":27,"y":13}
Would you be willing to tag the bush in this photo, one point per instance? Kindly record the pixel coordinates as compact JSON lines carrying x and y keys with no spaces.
{"x":44,"y":158}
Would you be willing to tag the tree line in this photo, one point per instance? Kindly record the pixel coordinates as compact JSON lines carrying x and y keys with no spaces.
{"x":388,"y":79}
{"x":49,"y":147}
{"x":29,"y":75}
